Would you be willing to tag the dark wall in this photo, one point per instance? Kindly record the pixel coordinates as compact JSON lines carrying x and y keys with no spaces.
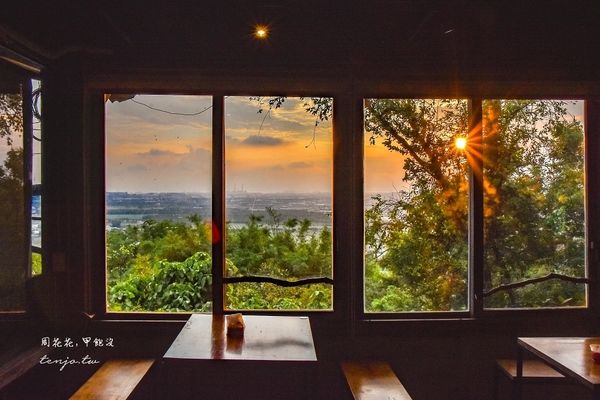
{"x":352,"y":50}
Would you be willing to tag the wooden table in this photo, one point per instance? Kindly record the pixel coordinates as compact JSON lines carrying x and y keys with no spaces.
{"x":570,"y":355}
{"x":274,"y":359}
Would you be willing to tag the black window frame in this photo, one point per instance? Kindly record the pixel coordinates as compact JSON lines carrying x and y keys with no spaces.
{"x":348,"y":94}
{"x":97,"y":138}
{"x":36,"y":189}
{"x":375,"y":321}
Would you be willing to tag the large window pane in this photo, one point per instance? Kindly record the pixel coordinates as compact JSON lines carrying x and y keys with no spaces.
{"x":278,"y":206}
{"x":416,"y":196}
{"x":14,"y":252}
{"x":158,"y":202}
{"x":534,"y":202}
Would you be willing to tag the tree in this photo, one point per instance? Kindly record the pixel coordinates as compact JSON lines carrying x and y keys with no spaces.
{"x":11,"y":117}
{"x":12,"y":213}
{"x":416,"y":242}
{"x":534,"y":203}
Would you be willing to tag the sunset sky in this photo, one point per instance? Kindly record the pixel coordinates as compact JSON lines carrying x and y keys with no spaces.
{"x":153,"y":151}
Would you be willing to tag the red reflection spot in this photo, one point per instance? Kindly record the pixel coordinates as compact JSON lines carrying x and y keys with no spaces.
{"x":216,"y":234}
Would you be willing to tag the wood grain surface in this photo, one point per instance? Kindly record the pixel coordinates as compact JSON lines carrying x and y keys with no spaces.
{"x":374,"y":381}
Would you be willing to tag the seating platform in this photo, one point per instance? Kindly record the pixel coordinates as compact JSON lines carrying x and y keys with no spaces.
{"x":373,"y":380}
{"x":116,"y":380}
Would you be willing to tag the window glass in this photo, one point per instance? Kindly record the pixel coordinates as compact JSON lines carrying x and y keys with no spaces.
{"x":14,"y":252}
{"x":534,"y":203}
{"x":416,"y":205}
{"x":158,"y":202}
{"x":36,"y":181}
{"x":278,"y":166}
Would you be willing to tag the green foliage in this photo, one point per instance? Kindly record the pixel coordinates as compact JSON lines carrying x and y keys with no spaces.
{"x":150,"y":267}
{"x":534,"y":209}
{"x":266,"y":296}
{"x":36,"y":263}
{"x":135,"y":246}
{"x":12,"y":213}
{"x":288,"y":251}
{"x":416,"y":242}
{"x":11,"y":117}
{"x":170,"y":286}
{"x":159,"y":266}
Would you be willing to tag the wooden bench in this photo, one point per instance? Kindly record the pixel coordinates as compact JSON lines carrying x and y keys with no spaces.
{"x":373,"y":380}
{"x":534,"y":371}
{"x":116,"y":379}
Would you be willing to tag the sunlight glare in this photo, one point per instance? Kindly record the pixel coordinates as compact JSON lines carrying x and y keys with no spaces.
{"x":261,"y":31}
{"x":460,"y":143}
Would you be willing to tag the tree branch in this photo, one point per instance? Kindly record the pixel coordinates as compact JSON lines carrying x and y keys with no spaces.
{"x":278,"y":282}
{"x":526,"y":282}
{"x":513,"y":114}
{"x":427,"y":166}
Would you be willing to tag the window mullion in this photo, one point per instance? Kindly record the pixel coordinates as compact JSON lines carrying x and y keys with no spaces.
{"x":27,"y":166}
{"x":476,"y":254}
{"x":592,"y":183}
{"x":218,"y":204}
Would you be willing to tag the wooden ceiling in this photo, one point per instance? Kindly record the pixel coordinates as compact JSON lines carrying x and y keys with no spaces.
{"x":394,"y":35}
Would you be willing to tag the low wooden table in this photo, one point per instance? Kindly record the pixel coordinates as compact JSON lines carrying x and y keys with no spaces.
{"x":274,"y":359}
{"x":570,"y":355}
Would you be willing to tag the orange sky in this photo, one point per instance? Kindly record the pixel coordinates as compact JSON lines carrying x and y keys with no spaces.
{"x":153,"y":151}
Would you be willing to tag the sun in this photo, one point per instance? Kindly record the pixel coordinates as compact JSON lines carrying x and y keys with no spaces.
{"x":261,"y":32}
{"x":460,"y":143}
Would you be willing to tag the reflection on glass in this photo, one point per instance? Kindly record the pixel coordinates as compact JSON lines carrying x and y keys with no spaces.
{"x":13,"y":241}
{"x":534,"y":201}
{"x":278,"y":175}
{"x":36,"y":180}
{"x":415,"y":199}
{"x":158,"y":202}
{"x":37,"y":133}
{"x":36,"y":233}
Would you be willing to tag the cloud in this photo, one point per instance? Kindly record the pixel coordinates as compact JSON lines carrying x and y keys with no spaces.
{"x":299,"y":164}
{"x":158,"y":153}
{"x":263,"y":140}
{"x":196,"y":160}
{"x":137,"y":168}
{"x":231,"y":140}
{"x":135,"y":113}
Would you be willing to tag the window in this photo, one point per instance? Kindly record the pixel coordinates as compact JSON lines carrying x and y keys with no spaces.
{"x":416,"y":196}
{"x":278,"y":163}
{"x":469,"y":206}
{"x":163,"y":237}
{"x":14,"y":216}
{"x":534,"y":216}
{"x":418,"y":156}
{"x":158,"y":202}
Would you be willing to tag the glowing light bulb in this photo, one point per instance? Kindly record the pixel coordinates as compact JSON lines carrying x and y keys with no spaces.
{"x":460,"y":143}
{"x":261,"y":32}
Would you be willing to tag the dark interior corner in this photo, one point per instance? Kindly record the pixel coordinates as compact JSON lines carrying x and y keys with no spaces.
{"x":92,"y":60}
